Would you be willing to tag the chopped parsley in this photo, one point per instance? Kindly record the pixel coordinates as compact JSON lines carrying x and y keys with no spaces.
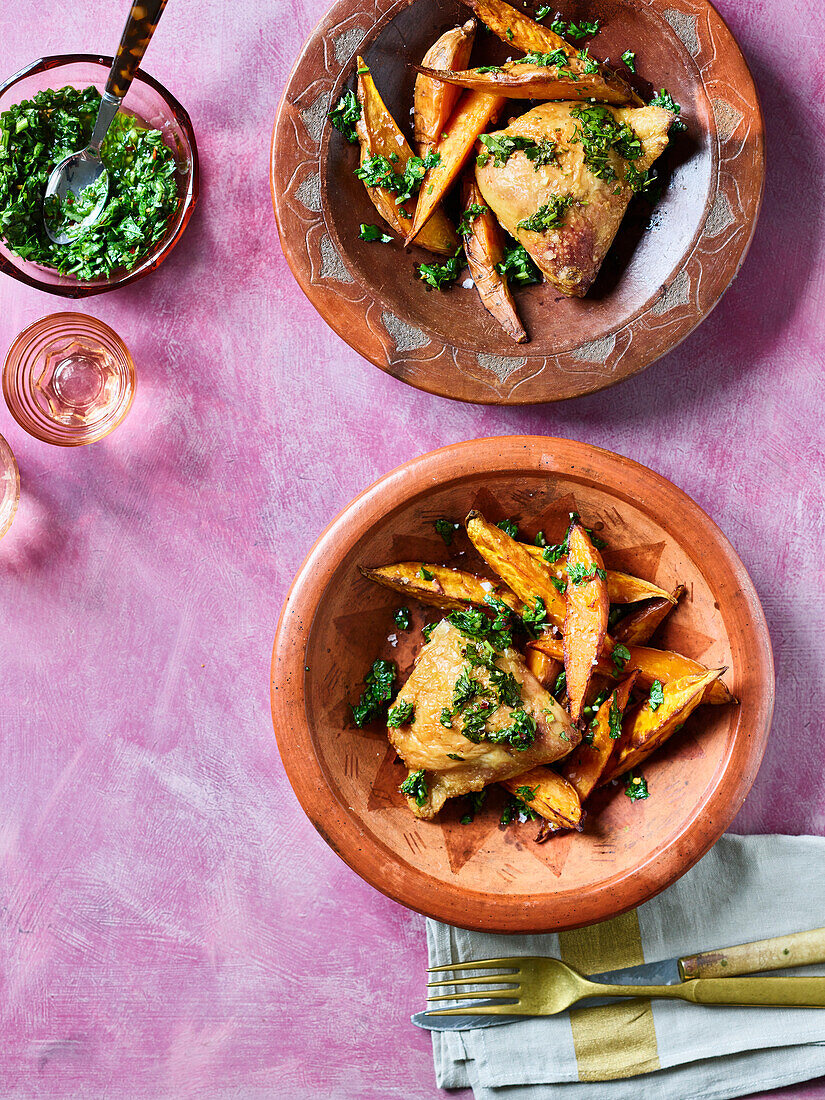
{"x":560,"y":685}
{"x":518,"y":267}
{"x":506,"y":687}
{"x":540,"y":540}
{"x":427,"y":630}
{"x":379,"y":683}
{"x":414,"y":171}
{"x":541,"y":152}
{"x":501,"y":147}
{"x":542,"y":12}
{"x":526,"y":794}
{"x":425,"y":574}
{"x":599,"y":132}
{"x":559,"y":585}
{"x":657,"y":695}
{"x":454,"y":756}
{"x":520,"y":734}
{"x":473,"y":211}
{"x":548,"y":216}
{"x":580,"y":574}
{"x":576,"y":31}
{"x":663,"y":98}
{"x":535,"y":620}
{"x":446,"y":528}
{"x":635,"y":787}
{"x":614,"y":718}
{"x":517,"y":807}
{"x":620,"y":656}
{"x":629,"y":58}
{"x":475,"y":800}
{"x":590,"y":65}
{"x":400,"y":714}
{"x":379,"y":171}
{"x":440,"y":276}
{"x":475,"y":720}
{"x":556,"y":58}
{"x":446,"y":719}
{"x":489,"y":69}
{"x":509,"y":527}
{"x":415,"y":786}
{"x":345,"y":114}
{"x":373,"y":233}
{"x":402,"y":618}
{"x":142,"y":194}
{"x":639,"y":181}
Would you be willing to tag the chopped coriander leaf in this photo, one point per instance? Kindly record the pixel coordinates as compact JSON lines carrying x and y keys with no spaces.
{"x":535,"y":620}
{"x":402,"y":618}
{"x":614,"y":718}
{"x":345,"y":114}
{"x":506,"y":687}
{"x":473,"y":211}
{"x":639,"y":181}
{"x":373,"y":233}
{"x":590,"y":66}
{"x":439,"y":276}
{"x":663,"y":98}
{"x":475,"y":801}
{"x":509,"y":34}
{"x":629,"y":58}
{"x":415,"y":786}
{"x":579,"y":573}
{"x":616,"y":614}
{"x":554,"y":552}
{"x":526,"y":794}
{"x":636,"y":787}
{"x":599,"y":132}
{"x":446,"y":528}
{"x":577,"y":31}
{"x":542,"y":12}
{"x":427,"y":630}
{"x":465,"y":689}
{"x":541,"y":152}
{"x":560,"y":685}
{"x":400,"y":714}
{"x":379,"y":688}
{"x":361,"y":70}
{"x":446,"y":718}
{"x":501,"y":147}
{"x":509,"y":527}
{"x":516,"y":807}
{"x":559,"y":25}
{"x":540,"y":540}
{"x":377,"y":171}
{"x":475,"y":720}
{"x":598,"y":542}
{"x":470,"y":621}
{"x":620,"y":656}
{"x":480,"y":655}
{"x":558,"y":584}
{"x":425,"y":573}
{"x":518,"y":267}
{"x":499,"y":633}
{"x":141,"y":199}
{"x":454,"y":756}
{"x":520,"y":734}
{"x":657,"y":695}
{"x":556,"y":58}
{"x":414,"y":171}
{"x":548,"y":216}
{"x":489,"y":69}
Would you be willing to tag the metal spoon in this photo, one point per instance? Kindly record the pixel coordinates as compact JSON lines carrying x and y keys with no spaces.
{"x":80,"y":170}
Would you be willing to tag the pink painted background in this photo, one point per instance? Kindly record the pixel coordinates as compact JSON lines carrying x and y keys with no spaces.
{"x":170,"y":923}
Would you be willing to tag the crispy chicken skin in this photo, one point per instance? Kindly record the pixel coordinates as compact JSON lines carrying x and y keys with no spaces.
{"x":569,"y":256}
{"x":425,"y":743}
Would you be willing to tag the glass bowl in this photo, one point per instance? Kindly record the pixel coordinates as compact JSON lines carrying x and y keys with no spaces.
{"x":150,"y":102}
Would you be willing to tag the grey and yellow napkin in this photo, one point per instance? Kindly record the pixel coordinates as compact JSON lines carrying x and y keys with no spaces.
{"x":746,"y":888}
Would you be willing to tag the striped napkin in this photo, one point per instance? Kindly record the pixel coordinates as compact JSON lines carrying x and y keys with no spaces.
{"x":746,"y":888}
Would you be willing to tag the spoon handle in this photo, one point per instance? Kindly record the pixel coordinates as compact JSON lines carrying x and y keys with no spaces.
{"x":137,"y":34}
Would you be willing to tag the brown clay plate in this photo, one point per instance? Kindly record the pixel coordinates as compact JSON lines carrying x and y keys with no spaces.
{"x":658,"y":281}
{"x":335,"y":624}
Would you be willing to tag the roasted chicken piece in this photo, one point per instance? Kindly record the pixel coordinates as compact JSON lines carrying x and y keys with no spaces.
{"x":469,"y":724}
{"x":562,"y":186}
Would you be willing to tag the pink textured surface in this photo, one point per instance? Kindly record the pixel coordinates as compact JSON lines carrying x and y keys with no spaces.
{"x":170,"y":924}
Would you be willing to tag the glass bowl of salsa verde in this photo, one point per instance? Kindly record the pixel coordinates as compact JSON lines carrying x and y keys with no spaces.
{"x":47,"y":111}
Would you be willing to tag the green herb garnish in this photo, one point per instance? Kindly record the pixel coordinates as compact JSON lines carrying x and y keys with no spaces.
{"x":427,"y":630}
{"x":402,"y":618}
{"x":489,"y":69}
{"x":425,"y":573}
{"x":663,"y":98}
{"x":509,"y":527}
{"x":535,"y":620}
{"x":599,"y":132}
{"x":345,"y":114}
{"x":580,"y":574}
{"x":657,"y":695}
{"x":635,"y":787}
{"x":400,"y":714}
{"x":446,"y":528}
{"x":473,"y":211}
{"x":518,"y":267}
{"x":639,"y":181}
{"x":548,"y":216}
{"x":373,"y":233}
{"x":560,"y":685}
{"x":620,"y":656}
{"x":379,"y":689}
{"x":629,"y":58}
{"x":614,"y":718}
{"x":439,"y":276}
{"x":590,"y":65}
{"x":556,"y":58}
{"x":520,"y":734}
{"x":501,"y":147}
{"x":576,"y":31}
{"x":475,"y":800}
{"x":415,"y":786}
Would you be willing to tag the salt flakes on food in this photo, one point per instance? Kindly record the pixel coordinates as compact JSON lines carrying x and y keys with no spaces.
{"x":467,"y":284}
{"x":487,"y":586}
{"x":392,"y":639}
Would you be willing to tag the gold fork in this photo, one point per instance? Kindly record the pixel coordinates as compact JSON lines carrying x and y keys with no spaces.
{"x":536,"y":986}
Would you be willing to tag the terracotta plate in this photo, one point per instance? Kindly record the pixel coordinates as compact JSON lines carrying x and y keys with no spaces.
{"x":659,"y":280}
{"x":335,"y":624}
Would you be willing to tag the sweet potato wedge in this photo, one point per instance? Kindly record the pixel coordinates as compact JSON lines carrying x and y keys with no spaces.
{"x":433,"y":100}
{"x":621,"y":587}
{"x":473,"y":113}
{"x":544,"y":668}
{"x":516,"y":28}
{"x":653,"y":664}
{"x":521,"y":572}
{"x":585,"y":766}
{"x":441,"y":586}
{"x":484,"y":248}
{"x":540,"y":82}
{"x":585,"y":623}
{"x":646,"y":729}
{"x":552,"y":797}
{"x":379,"y":135}
{"x":641,"y":624}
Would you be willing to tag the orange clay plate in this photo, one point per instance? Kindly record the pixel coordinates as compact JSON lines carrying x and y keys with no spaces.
{"x":481,"y":875}
{"x":662,"y":276}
